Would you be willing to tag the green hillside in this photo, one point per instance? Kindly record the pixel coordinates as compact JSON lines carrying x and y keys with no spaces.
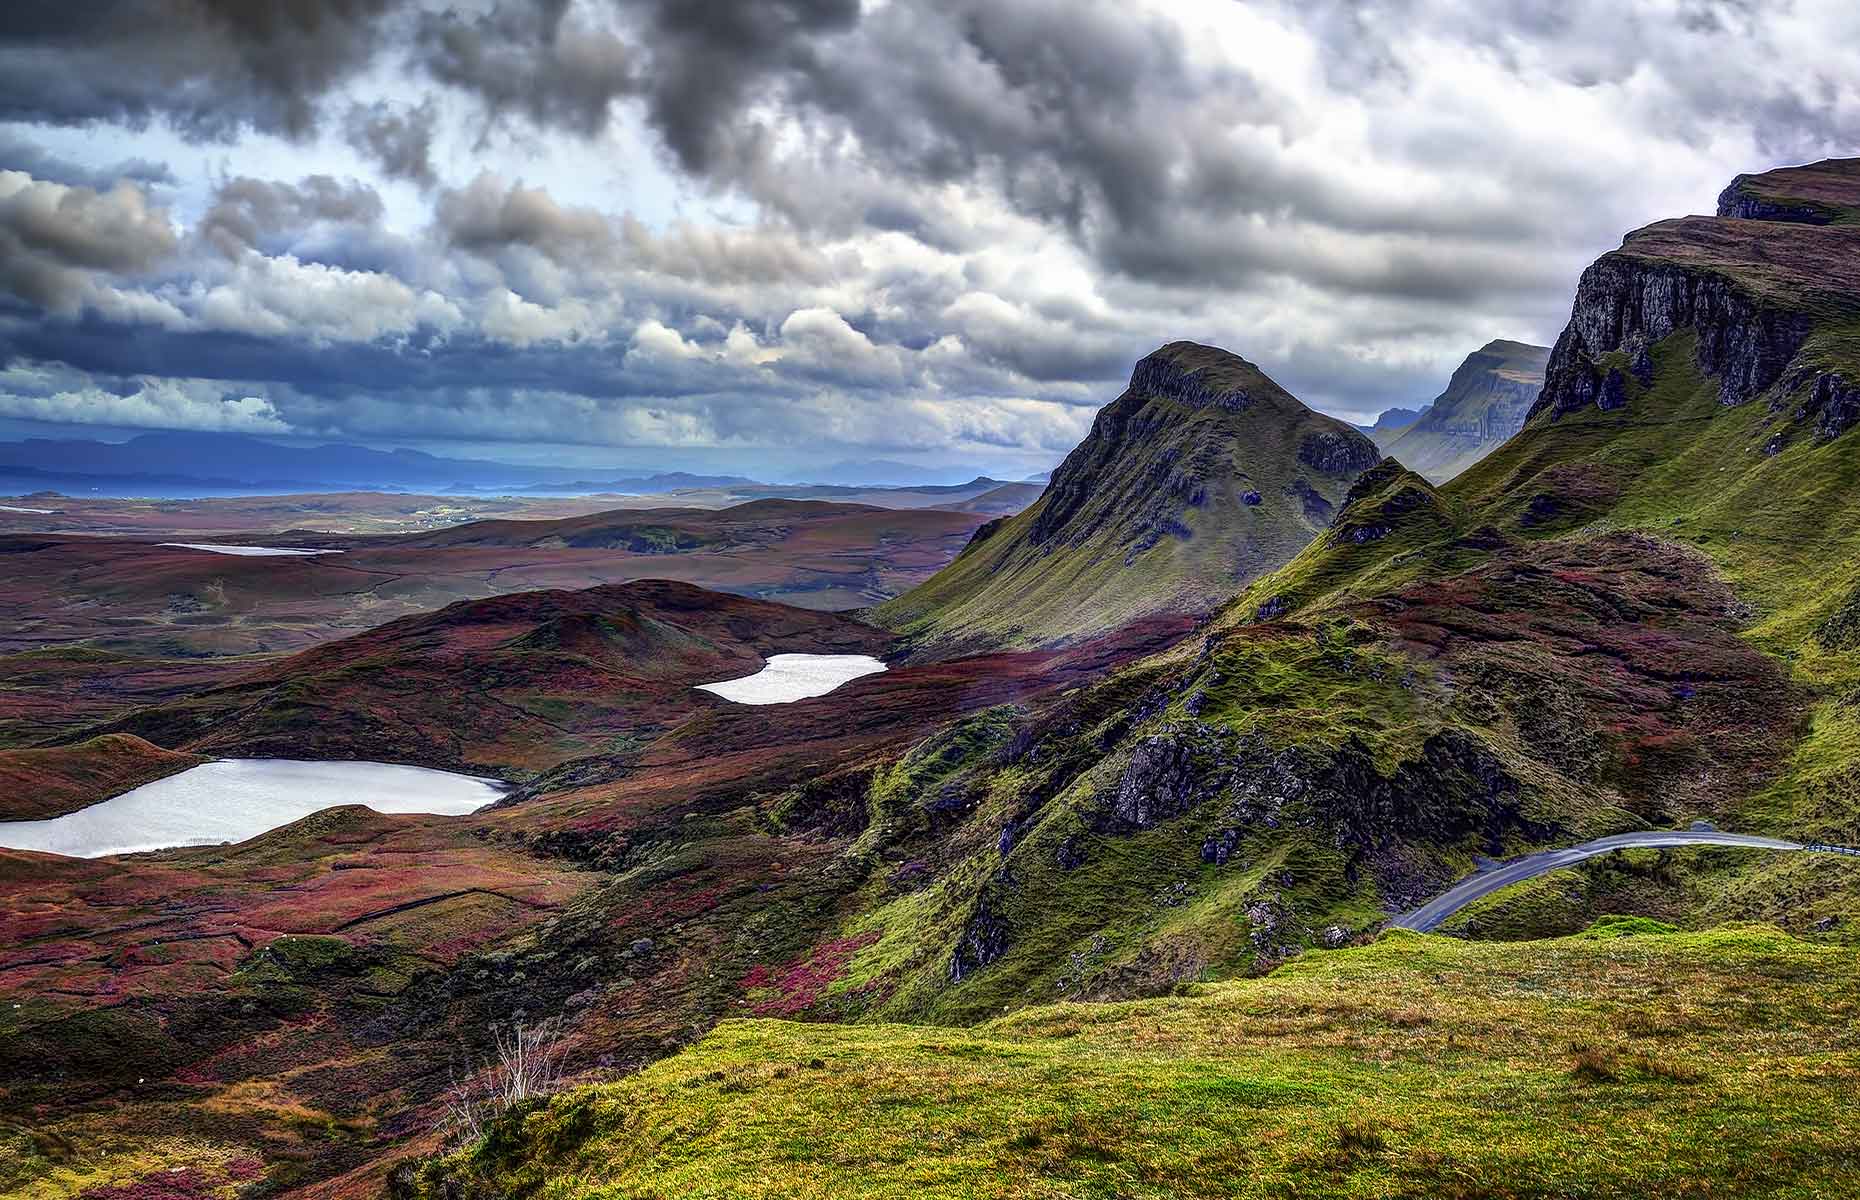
{"x":1203,"y":475}
{"x":1629,"y":1062}
{"x":1639,"y":612}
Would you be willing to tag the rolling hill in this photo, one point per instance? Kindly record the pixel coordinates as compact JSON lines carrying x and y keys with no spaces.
{"x":512,"y":684}
{"x":48,"y":782}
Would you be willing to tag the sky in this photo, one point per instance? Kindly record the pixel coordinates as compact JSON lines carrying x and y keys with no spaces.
{"x":757,"y":235}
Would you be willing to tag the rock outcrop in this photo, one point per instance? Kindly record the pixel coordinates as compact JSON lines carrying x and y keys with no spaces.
{"x":1756,"y":284}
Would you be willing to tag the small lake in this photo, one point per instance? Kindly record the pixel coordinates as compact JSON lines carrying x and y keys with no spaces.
{"x":247,"y":551}
{"x":790,"y":677}
{"x":240,"y":798}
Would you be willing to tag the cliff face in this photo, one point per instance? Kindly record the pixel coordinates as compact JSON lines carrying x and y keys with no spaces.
{"x":1485,"y":402}
{"x":1766,"y":287}
{"x":1818,"y":194}
{"x":1202,"y":475}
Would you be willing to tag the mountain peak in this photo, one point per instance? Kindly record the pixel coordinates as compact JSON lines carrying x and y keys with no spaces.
{"x":1486,"y":401}
{"x":1201,"y":476}
{"x":1199,"y":375}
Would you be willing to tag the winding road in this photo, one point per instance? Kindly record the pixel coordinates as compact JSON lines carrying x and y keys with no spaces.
{"x":1428,"y":916}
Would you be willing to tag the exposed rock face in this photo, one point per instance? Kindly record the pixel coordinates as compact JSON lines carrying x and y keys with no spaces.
{"x":1817,"y":194}
{"x":1454,"y":789}
{"x":1626,"y":303}
{"x":1169,"y":774}
{"x":1754,"y":283}
{"x":1338,"y":453}
{"x":1174,"y":374}
{"x":984,"y":939}
{"x":1832,"y":401}
{"x":1734,"y":202}
{"x":1483,"y":405}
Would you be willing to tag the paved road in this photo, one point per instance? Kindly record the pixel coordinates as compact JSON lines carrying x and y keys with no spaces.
{"x":1517,"y":870}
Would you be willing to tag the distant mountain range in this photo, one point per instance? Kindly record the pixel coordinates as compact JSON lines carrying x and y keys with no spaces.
{"x":881,"y":472}
{"x":169,"y":462}
{"x":191,"y":464}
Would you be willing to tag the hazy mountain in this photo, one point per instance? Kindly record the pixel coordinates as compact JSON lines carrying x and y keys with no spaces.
{"x":1392,"y":421}
{"x":1485,"y":403}
{"x":236,"y":462}
{"x":884,"y":472}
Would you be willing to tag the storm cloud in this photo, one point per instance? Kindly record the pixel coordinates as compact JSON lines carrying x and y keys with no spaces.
{"x":945,"y":228}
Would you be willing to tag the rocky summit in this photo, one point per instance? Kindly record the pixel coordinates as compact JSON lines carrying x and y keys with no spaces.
{"x":1486,"y":402}
{"x":1201,"y":476}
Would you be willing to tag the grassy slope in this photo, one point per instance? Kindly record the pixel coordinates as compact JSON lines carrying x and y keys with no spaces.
{"x":1622,"y":681}
{"x":1651,"y":1064}
{"x":36,"y":784}
{"x":1621,"y":607}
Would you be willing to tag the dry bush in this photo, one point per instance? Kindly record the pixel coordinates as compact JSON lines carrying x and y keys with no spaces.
{"x":1356,"y":1138}
{"x":526,"y":1065}
{"x":1594,"y":1065}
{"x":1669,"y":1072}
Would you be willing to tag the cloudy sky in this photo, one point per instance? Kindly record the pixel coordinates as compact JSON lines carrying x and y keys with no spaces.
{"x":758,"y":234}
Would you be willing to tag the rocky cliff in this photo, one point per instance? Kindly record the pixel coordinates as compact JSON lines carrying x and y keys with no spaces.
{"x":1485,"y":402}
{"x":1767,"y":289}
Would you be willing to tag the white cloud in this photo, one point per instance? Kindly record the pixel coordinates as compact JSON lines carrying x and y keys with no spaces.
{"x":155,"y":404}
{"x":951,"y":226}
{"x":282,"y":297}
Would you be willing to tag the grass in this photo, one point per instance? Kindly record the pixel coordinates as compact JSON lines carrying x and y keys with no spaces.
{"x":1657,"y":1064}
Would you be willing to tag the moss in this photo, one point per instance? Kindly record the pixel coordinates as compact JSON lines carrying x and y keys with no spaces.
{"x":1408,"y":1067}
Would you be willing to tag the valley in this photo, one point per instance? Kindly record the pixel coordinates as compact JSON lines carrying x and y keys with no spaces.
{"x":95,"y":626}
{"x":1081,"y":849}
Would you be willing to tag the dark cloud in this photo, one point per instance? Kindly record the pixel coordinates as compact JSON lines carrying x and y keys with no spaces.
{"x":53,"y":236}
{"x":245,"y":211}
{"x":398,"y":140}
{"x":211,"y":67}
{"x":528,"y":59}
{"x":490,"y":215}
{"x":711,"y":61}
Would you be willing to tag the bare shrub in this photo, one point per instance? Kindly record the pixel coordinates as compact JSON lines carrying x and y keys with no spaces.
{"x":526,"y":1065}
{"x":1661,"y":1069}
